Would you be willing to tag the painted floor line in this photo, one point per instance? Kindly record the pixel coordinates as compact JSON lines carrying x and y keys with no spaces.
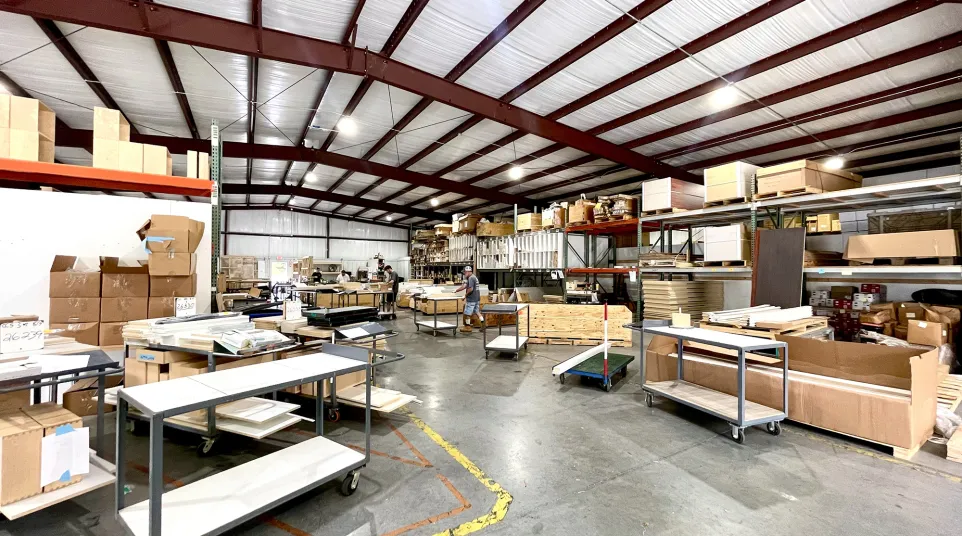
{"x":435,"y":518}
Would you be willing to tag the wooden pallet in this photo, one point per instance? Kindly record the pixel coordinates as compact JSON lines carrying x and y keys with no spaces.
{"x":789,"y":193}
{"x":949,"y":392}
{"x":908,"y":261}
{"x":525,"y":231}
{"x":671,"y":210}
{"x":556,"y":341}
{"x":722,"y":263}
{"x":723,"y":202}
{"x":621,"y":217}
{"x":797,"y":328}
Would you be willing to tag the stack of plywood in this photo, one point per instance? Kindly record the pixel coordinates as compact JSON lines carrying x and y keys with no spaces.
{"x":667,"y":194}
{"x":114,"y":150}
{"x":27,"y":129}
{"x":662,"y":298}
{"x":577,"y":324}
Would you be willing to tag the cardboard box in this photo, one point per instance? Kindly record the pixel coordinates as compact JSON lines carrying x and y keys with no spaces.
{"x":842,"y":292}
{"x":836,"y":226}
{"x":668,"y":193}
{"x":583,"y":211}
{"x":135,"y":372}
{"x":106,"y":153}
{"x":157,"y":372}
{"x":122,"y":309}
{"x":31,"y":115}
{"x":161,"y":307}
{"x":131,"y":157}
{"x":727,"y":243}
{"x":198,"y":165}
{"x":125,"y":285}
{"x":729,"y":181}
{"x":811,"y":224}
{"x":161,"y":356}
{"x":183,"y":369}
{"x":166,"y":234}
{"x":875,"y":317}
{"x":909,"y":311}
{"x":901,"y":413}
{"x":68,"y":282}
{"x":927,"y":333}
{"x":82,"y":332}
{"x":73,"y":310}
{"x":51,"y":417}
{"x":157,"y":160}
{"x":826,"y":222}
{"x":111,"y":333}
{"x":80,"y":398}
{"x":5,"y":110}
{"x":20,"y":438}
{"x":922,"y":244}
{"x":110,"y":125}
{"x":28,"y":145}
{"x":902,"y":332}
{"x":172,"y":264}
{"x":804,"y":174}
{"x":529,"y":222}
{"x":173,"y":286}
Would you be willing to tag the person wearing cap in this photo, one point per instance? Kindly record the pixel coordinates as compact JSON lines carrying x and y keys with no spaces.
{"x":472,"y":300}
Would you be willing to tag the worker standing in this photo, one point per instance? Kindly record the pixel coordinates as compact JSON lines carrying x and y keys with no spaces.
{"x":472,"y":300}
{"x":392,"y":280}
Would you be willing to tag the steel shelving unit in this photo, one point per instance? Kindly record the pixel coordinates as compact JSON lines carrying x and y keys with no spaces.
{"x":592,"y":259}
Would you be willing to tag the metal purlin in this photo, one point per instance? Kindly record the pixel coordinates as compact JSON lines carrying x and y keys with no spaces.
{"x":216,"y":169}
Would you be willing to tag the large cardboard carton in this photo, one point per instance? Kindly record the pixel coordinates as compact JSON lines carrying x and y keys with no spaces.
{"x":119,"y":280}
{"x":907,"y":311}
{"x":161,"y":307}
{"x":866,"y":248}
{"x":135,"y":372}
{"x":171,"y":263}
{"x":824,"y":223}
{"x":727,"y":243}
{"x":927,"y":333}
{"x":27,"y":145}
{"x":173,"y":286}
{"x":82,"y":332}
{"x":70,"y":280}
{"x":80,"y":399}
{"x":74,"y":310}
{"x":110,"y":125}
{"x":51,"y":417}
{"x":20,"y":438}
{"x":164,"y":234}
{"x":668,"y":193}
{"x":198,"y":165}
{"x":112,"y":333}
{"x":31,"y":115}
{"x":161,"y":356}
{"x":878,"y":393}
{"x":131,"y":157}
{"x":106,"y":153}
{"x":804,"y":174}
{"x":157,"y":160}
{"x":529,"y":222}
{"x":157,"y":372}
{"x":729,"y":181}
{"x":123,"y":309}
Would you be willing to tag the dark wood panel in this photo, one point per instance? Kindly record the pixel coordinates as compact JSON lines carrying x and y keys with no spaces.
{"x":777,"y":261}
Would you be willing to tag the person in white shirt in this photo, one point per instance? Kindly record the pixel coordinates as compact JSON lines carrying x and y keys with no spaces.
{"x":343,"y":277}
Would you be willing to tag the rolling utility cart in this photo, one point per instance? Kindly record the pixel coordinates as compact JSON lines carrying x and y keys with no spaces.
{"x":438,"y":325}
{"x":506,"y":343}
{"x":739,"y":412}
{"x":218,"y":503}
{"x":386,"y":308}
{"x":591,"y":364}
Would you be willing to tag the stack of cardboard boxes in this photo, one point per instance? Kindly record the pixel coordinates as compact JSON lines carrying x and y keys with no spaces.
{"x":114,"y":150}
{"x":27,"y":129}
{"x":124,"y":292}
{"x":75,"y":299}
{"x":172,"y":262}
{"x":143,"y":366}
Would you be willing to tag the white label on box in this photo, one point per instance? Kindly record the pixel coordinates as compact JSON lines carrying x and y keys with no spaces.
{"x":185,"y":307}
{"x":64,"y":455}
{"x":911,"y":315}
{"x":292,"y":310}
{"x":923,"y":325}
{"x":632,"y":276}
{"x":20,"y":336}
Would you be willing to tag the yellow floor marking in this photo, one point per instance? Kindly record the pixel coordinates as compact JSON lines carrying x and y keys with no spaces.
{"x":500,"y":508}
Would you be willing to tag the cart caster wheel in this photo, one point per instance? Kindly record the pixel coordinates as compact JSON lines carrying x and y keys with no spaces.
{"x":649,"y":400}
{"x":774,"y":428}
{"x":738,"y":435}
{"x":333,"y":415}
{"x":205,"y":448}
{"x":562,"y":379}
{"x":349,"y":484}
{"x":608,"y":387}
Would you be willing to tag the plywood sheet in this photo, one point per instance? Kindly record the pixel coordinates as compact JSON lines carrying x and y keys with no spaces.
{"x":778,"y":260}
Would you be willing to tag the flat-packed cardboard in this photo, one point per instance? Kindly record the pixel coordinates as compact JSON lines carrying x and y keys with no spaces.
{"x":161,"y":356}
{"x":729,"y":181}
{"x":157,"y":160}
{"x":909,"y":311}
{"x":20,"y":438}
{"x":123,"y":309}
{"x":111,"y":333}
{"x":28,"y":145}
{"x":893,"y":403}
{"x":164,"y":234}
{"x":135,"y":372}
{"x":110,"y":125}
{"x":172,"y":263}
{"x":66,"y":281}
{"x":73,"y":310}
{"x":727,"y":243}
{"x":51,"y":416}
{"x":131,"y":157}
{"x":927,"y":333}
{"x":183,"y":369}
{"x":804,"y":174}
{"x":80,"y":399}
{"x":173,"y":286}
{"x":922,"y":244}
{"x":161,"y":307}
{"x":122,"y":281}
{"x":82,"y":332}
{"x":668,"y":193}
{"x":31,"y":115}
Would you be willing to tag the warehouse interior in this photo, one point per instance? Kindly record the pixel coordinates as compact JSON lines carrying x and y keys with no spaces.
{"x":385,"y":267}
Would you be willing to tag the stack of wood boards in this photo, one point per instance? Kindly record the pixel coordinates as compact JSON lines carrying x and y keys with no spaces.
{"x":954,"y":448}
{"x":579,"y":325}
{"x":662,"y":298}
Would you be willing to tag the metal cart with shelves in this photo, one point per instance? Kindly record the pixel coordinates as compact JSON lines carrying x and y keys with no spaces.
{"x":506,"y":343}
{"x":227,"y":499}
{"x":736,"y":410}
{"x":436,"y":325}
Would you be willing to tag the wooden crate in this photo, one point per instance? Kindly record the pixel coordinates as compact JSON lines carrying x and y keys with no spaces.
{"x":802,"y":176}
{"x":495,"y":229}
{"x":564,"y":322}
{"x":529,"y":222}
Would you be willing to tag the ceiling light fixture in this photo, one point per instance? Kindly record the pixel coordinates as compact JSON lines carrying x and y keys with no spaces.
{"x":434,"y":202}
{"x":389,"y":218}
{"x":516,"y":173}
{"x":725,"y":96}
{"x":311,"y":177}
{"x":835,"y":162}
{"x":347,"y":126}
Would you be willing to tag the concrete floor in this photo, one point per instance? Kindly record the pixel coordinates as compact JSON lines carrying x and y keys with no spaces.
{"x":571,"y":459}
